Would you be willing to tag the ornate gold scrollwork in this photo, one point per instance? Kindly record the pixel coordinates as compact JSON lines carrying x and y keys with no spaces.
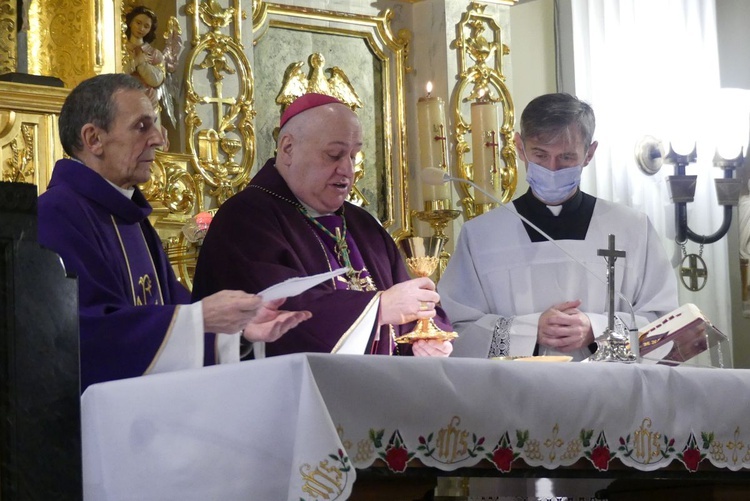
{"x":215,"y":148}
{"x":19,"y":167}
{"x":61,"y":39}
{"x":176,"y":195}
{"x":28,"y":132}
{"x":482,"y":82}
{"x":8,"y":44}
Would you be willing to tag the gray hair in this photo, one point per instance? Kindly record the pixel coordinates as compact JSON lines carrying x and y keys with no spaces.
{"x":91,"y":102}
{"x":547,"y":117}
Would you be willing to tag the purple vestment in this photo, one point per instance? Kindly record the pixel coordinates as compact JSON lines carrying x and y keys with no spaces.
{"x":259,"y":238}
{"x":127,"y":290}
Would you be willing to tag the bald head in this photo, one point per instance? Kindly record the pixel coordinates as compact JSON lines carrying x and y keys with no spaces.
{"x":316,"y":153}
{"x":314,"y":120}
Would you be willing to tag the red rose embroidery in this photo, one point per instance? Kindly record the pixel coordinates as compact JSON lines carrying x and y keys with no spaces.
{"x":691,"y":458}
{"x":396,"y":458}
{"x":503,"y":457}
{"x":600,"y":457}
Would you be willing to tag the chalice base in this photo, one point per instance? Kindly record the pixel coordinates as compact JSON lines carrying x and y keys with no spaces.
{"x":426,"y":329}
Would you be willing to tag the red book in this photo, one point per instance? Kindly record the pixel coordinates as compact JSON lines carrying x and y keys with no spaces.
{"x":678,"y":336}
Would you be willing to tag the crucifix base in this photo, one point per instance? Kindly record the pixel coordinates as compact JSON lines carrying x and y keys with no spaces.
{"x":611,"y":347}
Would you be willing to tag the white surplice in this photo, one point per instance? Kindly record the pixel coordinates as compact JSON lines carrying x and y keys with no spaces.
{"x":498,"y":279}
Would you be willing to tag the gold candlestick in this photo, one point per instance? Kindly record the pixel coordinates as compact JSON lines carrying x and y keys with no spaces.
{"x":422,"y":258}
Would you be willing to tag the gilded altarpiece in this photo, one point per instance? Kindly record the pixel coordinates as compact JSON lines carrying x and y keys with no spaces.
{"x":65,"y":39}
{"x":29,"y":142}
{"x":349,"y":51}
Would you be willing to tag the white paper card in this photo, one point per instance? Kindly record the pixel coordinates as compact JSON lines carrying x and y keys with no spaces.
{"x":293,"y":286}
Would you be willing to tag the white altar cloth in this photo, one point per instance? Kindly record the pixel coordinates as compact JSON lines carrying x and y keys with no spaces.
{"x":292,"y":427}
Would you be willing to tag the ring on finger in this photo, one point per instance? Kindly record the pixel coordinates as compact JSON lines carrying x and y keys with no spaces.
{"x":423,"y":306}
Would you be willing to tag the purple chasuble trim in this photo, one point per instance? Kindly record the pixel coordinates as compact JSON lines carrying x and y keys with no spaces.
{"x":144,"y":281}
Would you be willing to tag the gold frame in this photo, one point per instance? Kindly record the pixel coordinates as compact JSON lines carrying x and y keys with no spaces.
{"x":391,"y":51}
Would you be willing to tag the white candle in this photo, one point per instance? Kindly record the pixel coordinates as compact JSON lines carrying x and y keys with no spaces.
{"x":433,"y":142}
{"x":485,"y":148}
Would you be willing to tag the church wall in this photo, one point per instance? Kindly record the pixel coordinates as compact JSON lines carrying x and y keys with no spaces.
{"x":733,"y":41}
{"x":533,"y":67}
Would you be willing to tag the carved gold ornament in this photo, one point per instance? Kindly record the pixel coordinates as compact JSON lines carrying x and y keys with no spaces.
{"x":19,"y":168}
{"x":29,"y":144}
{"x":482,"y":85}
{"x":219,"y":84}
{"x":61,"y":39}
{"x":8,"y":44}
{"x":296,"y":83}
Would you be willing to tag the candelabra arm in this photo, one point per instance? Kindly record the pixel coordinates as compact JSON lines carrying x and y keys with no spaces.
{"x":684,"y":233}
{"x":727,"y":190}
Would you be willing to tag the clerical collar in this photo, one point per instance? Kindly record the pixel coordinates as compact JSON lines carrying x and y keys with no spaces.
{"x":555,"y":209}
{"x":570,"y":205}
{"x":127,"y":193}
{"x":312,"y":212}
{"x":572,"y":223}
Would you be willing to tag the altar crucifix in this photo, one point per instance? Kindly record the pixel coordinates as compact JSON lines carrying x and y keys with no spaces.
{"x":612,"y":346}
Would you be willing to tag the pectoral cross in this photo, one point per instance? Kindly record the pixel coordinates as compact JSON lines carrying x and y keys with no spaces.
{"x":219,"y":101}
{"x":492,"y":143}
{"x":440,"y":136}
{"x":611,"y":255}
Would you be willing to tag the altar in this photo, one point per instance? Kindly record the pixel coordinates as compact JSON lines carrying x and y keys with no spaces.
{"x":305,"y":426}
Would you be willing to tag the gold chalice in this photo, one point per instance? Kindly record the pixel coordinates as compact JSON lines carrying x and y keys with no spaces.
{"x":422,"y":258}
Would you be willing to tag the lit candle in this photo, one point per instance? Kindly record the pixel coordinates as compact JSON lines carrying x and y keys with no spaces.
{"x":485,"y":148}
{"x":433,"y":142}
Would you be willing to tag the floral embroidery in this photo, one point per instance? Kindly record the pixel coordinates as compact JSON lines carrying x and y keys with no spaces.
{"x":600,"y":455}
{"x":503,"y":454}
{"x":395,"y":455}
{"x":691,"y":455}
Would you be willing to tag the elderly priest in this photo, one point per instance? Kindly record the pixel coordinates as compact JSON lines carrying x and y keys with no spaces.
{"x":293,"y":220}
{"x":135,"y":317}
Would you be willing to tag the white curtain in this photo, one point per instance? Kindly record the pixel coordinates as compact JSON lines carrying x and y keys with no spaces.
{"x":651,"y":68}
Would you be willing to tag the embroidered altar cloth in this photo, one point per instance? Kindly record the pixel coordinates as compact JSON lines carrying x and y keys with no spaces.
{"x":298,"y":426}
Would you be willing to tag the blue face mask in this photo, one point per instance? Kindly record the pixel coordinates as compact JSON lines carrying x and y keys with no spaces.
{"x":553,"y":187}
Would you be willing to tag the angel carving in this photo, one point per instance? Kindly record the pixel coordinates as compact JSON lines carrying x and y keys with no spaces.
{"x":147,"y":63}
{"x":296,"y":83}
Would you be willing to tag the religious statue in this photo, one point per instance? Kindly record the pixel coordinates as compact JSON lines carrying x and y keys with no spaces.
{"x":149,"y":64}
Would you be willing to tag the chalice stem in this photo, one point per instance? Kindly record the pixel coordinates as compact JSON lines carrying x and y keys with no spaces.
{"x":423,"y":326}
